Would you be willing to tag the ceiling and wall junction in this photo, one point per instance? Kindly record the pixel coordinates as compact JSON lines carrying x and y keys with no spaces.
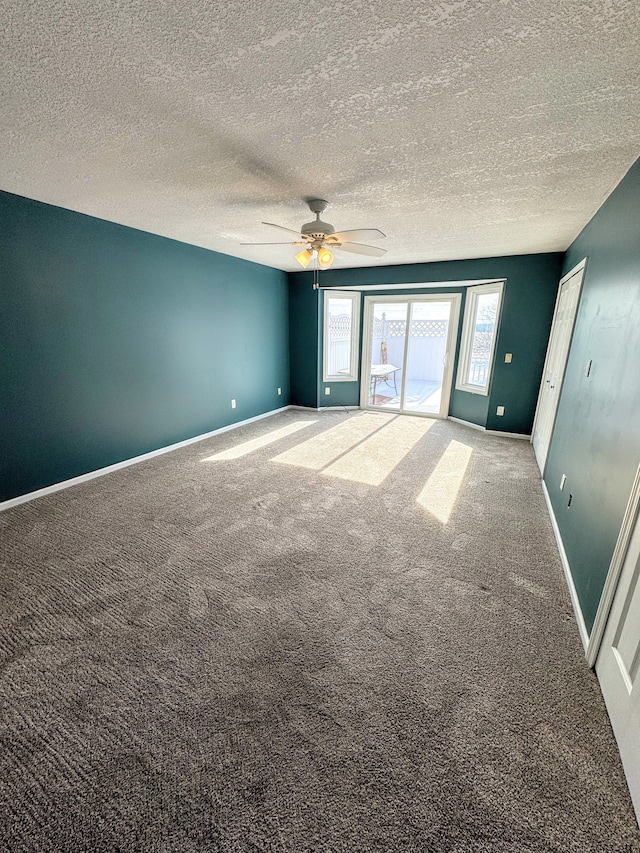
{"x":465,"y":128}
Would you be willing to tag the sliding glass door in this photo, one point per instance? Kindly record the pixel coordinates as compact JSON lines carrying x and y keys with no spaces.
{"x":408,"y":353}
{"x":386,"y":354}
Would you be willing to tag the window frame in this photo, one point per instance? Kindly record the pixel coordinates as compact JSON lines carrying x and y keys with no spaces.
{"x":354,"y":348}
{"x":466,"y":341}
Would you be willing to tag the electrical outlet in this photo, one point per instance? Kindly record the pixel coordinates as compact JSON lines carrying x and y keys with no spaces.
{"x":563,"y":480}
{"x":327,"y":389}
{"x":500,"y":410}
{"x":279,"y":390}
{"x":233,"y":404}
{"x":507,"y":357}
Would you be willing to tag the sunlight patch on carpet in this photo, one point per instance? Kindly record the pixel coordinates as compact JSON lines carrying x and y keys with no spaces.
{"x":318,"y":452}
{"x":374,"y":459}
{"x":256,"y":443}
{"x":441,"y":490}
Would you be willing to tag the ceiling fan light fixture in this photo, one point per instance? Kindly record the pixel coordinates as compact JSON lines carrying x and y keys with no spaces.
{"x":304,"y":257}
{"x":325,"y":258}
{"x":318,"y":238}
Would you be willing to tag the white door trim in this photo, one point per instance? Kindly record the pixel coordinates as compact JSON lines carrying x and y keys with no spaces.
{"x":613,"y":576}
{"x":365,"y":360}
{"x":617,"y":665}
{"x":578,"y":268}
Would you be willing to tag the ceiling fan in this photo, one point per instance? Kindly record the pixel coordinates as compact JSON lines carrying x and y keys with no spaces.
{"x":319,"y":239}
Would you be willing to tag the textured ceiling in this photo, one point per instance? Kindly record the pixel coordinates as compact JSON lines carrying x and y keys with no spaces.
{"x":461,"y":128}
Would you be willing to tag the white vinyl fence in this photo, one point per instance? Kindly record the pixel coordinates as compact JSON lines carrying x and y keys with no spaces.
{"x":427,"y":347}
{"x":339,"y":343}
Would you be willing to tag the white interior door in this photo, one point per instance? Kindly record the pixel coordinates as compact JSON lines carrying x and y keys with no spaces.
{"x":618,"y":665}
{"x":556,"y":361}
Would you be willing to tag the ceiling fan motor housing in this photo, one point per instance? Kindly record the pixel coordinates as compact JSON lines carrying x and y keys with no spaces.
{"x":317,"y":229}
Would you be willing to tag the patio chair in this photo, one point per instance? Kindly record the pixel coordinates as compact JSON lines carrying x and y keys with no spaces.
{"x":382,"y":371}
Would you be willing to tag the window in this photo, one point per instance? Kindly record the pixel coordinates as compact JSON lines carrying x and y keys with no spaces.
{"x":481,"y":315}
{"x":340,"y":343}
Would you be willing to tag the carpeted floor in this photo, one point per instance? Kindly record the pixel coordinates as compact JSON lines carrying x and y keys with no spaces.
{"x":319,"y":632}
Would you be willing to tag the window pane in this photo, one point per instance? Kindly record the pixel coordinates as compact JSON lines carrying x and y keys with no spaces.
{"x":340,"y":317}
{"x":483,"y":331}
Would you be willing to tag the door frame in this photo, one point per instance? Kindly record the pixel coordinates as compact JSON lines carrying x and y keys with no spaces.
{"x":619,"y":695}
{"x":631,"y":517}
{"x":450,"y":351}
{"x":581,"y":266}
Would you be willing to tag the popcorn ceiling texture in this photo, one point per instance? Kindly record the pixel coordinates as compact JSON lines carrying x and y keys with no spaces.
{"x":461,"y":129}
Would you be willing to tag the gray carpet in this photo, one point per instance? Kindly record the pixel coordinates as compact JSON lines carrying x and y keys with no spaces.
{"x":259,"y":654}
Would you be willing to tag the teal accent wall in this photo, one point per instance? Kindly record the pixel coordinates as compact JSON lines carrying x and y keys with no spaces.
{"x":528,"y":302}
{"x":596,"y":438}
{"x":304,"y":319}
{"x":342,"y":394}
{"x":115,"y":342}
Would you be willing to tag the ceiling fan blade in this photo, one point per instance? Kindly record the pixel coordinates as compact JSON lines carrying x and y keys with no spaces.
{"x":282,"y":228}
{"x":361,"y":249}
{"x":357,"y":234}
{"x":275,"y":244}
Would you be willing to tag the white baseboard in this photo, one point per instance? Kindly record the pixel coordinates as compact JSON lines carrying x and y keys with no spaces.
{"x":336,"y":408}
{"x":582,"y":628}
{"x":508,"y":434}
{"x":100,"y":472}
{"x":467,"y":423}
{"x":490,"y":431}
{"x":323,"y":408}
